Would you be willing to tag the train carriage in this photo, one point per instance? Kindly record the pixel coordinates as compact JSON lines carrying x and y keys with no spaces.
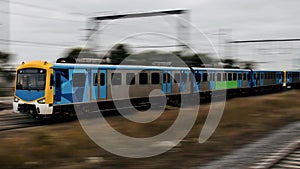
{"x":266,"y":80}
{"x":45,"y":89}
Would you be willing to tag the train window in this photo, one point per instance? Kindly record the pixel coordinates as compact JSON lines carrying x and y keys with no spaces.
{"x":240,"y":76}
{"x":212,"y":76}
{"x":155,"y":78}
{"x":176,"y":77}
{"x":166,"y":78}
{"x":229,"y":76}
{"x":225,"y":77}
{"x":204,"y":77}
{"x":58,"y":80}
{"x":183,"y":77}
{"x":116,"y":78}
{"x":248,"y":76}
{"x":198,"y":77}
{"x":78,"y":80}
{"x":191,"y":77}
{"x":143,"y":78}
{"x":258,"y":75}
{"x":102,"y":79}
{"x":95,"y":79}
{"x":51,"y":80}
{"x":130,"y":79}
{"x":219,"y":77}
{"x":244,"y":76}
{"x":234,"y":76}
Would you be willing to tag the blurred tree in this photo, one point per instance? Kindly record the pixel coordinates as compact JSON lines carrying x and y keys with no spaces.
{"x":198,"y":60}
{"x":4,"y":58}
{"x":77,"y":54}
{"x":118,"y":53}
{"x":249,"y":65}
{"x":230,"y":63}
{"x":73,"y":53}
{"x":7,"y":76}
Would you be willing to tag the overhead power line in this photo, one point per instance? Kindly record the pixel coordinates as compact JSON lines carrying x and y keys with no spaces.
{"x":34,"y":43}
{"x":264,"y":40}
{"x":39,"y":17}
{"x":37,"y":7}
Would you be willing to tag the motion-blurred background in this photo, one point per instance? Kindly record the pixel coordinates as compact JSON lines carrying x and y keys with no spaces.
{"x":249,"y":34}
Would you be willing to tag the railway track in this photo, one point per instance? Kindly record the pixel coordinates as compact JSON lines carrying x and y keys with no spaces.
{"x":11,"y":121}
{"x":286,"y":157}
{"x":290,"y":161}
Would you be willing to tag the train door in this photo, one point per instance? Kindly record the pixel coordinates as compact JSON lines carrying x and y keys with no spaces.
{"x":279,"y":79}
{"x":98,"y":84}
{"x":262,"y":79}
{"x":57,"y":87}
{"x":196,"y":81}
{"x":167,"y":82}
{"x":212,"y":82}
{"x":257,"y":77}
{"x":288,"y":77}
{"x":183,"y":81}
{"x":240,"y":79}
{"x":254,"y":79}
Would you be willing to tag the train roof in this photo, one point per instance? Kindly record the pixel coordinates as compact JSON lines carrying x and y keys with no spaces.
{"x":113,"y":67}
{"x":136,"y":67}
{"x":221,"y":69}
{"x":260,"y":70}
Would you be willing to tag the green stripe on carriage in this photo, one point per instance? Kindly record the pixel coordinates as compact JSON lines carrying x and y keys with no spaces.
{"x":226,"y":85}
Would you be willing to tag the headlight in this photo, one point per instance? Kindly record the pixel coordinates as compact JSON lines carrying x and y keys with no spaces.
{"x":42,"y":101}
{"x":16,"y":99}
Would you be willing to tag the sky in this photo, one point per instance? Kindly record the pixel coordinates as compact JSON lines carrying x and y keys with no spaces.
{"x":45,"y":30}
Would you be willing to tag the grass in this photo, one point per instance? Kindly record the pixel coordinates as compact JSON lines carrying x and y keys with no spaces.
{"x":67,"y":146}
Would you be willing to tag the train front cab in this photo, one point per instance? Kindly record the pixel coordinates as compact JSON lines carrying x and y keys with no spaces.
{"x":291,"y":79}
{"x":34,"y":88}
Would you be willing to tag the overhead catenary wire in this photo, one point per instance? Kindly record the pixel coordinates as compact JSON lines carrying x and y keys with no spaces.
{"x":8,"y":41}
{"x":37,"y":7}
{"x":40,"y":17}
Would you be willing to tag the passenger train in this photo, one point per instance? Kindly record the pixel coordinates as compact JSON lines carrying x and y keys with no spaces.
{"x":44,"y":89}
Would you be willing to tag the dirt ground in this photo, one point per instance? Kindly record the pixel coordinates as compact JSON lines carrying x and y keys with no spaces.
{"x":66,"y":145}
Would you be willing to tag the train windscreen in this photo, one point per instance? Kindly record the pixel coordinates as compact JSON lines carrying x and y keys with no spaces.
{"x":31,"y":79}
